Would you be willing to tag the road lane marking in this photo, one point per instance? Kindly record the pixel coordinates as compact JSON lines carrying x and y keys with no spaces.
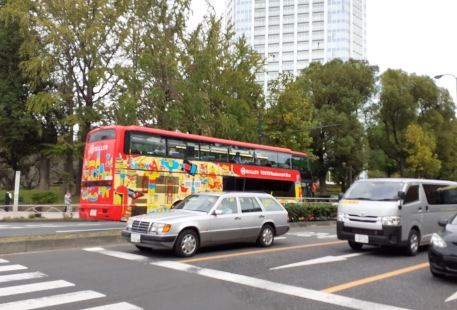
{"x":120,"y":305}
{"x":378,"y":277}
{"x":34,"y":287}
{"x":49,"y":301}
{"x":3,"y":261}
{"x":84,"y":230}
{"x":452,"y":297}
{"x":276,"y":287}
{"x":309,"y":234}
{"x":12,"y":267}
{"x":118,"y":254}
{"x":320,"y":260}
{"x":280,"y":238}
{"x":256,"y":252}
{"x":21,"y":276}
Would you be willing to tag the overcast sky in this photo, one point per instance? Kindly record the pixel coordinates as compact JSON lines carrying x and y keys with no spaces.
{"x":417,"y":36}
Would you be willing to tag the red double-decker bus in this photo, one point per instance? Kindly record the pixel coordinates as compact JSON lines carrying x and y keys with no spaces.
{"x":131,"y":170}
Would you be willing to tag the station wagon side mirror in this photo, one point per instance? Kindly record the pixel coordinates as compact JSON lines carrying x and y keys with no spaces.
{"x":401,"y":195}
{"x":218,"y":212}
{"x":443,"y":222}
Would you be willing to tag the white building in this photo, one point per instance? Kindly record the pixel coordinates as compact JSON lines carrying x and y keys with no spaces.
{"x":292,"y":33}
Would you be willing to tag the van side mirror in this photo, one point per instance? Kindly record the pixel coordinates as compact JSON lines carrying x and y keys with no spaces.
{"x":340,"y":196}
{"x":443,"y":222}
{"x":218,"y":212}
{"x":401,"y":195}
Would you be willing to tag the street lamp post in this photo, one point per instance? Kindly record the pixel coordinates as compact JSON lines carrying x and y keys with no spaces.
{"x":439,"y":76}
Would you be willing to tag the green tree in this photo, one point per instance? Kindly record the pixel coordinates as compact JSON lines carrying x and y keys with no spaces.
{"x":18,"y":128}
{"x":288,"y":117}
{"x":420,"y":146}
{"x":338,"y":92}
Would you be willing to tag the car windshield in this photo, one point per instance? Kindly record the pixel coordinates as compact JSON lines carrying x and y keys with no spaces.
{"x":200,"y":203}
{"x":374,"y":190}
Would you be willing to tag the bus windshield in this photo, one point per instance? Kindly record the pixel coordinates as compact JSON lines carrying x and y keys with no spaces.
{"x":374,"y":190}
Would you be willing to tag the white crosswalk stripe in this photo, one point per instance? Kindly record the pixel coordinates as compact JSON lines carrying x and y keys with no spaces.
{"x":118,"y":254}
{"x":120,"y":305}
{"x":12,"y":268}
{"x":3,"y":261}
{"x":49,"y":286}
{"x":34,"y":287}
{"x":21,"y":276}
{"x":48,"y":301}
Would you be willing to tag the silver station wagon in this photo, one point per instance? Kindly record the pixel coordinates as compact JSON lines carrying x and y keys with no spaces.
{"x":207,"y":219}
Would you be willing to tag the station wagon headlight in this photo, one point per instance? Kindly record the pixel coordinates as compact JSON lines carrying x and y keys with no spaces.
{"x":391,"y":221}
{"x":437,"y":241}
{"x":129,"y":224}
{"x":160,"y":228}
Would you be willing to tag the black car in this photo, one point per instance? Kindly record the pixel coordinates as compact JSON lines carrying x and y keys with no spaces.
{"x":442,"y":253}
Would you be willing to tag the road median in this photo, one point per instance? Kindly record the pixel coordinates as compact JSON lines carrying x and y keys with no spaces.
{"x":20,"y":244}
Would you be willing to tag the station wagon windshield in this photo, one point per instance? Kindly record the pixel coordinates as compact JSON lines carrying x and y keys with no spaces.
{"x":376,"y":190}
{"x":200,"y":203}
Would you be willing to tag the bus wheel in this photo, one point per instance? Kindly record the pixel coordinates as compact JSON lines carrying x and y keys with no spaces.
{"x":412,"y":246}
{"x":355,"y":245}
{"x":187,"y":243}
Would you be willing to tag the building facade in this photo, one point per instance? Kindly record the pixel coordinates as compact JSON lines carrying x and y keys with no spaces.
{"x":291,"y":34}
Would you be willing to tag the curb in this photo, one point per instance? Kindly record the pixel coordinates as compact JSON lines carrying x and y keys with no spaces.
{"x":312,"y":223}
{"x":11,"y":245}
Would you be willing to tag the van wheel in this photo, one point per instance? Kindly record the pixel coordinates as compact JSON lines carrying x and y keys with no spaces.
{"x":187,"y":243}
{"x":266,"y":236}
{"x":412,"y":247}
{"x":355,"y":245}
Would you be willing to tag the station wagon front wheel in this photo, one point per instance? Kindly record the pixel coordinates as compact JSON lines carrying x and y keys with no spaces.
{"x":187,"y":243}
{"x":266,"y":236}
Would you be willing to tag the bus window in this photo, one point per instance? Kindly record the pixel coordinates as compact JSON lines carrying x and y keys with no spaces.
{"x":100,"y":135}
{"x":213,"y":152}
{"x":284,"y":160}
{"x":144,"y":144}
{"x":242,"y":155}
{"x":266,"y":158}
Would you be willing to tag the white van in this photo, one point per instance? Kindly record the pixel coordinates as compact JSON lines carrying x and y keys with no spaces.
{"x":394,"y":212}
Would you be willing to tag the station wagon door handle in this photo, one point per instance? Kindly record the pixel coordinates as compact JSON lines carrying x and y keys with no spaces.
{"x":420,"y":209}
{"x":237,"y":218}
{"x":261,"y":216}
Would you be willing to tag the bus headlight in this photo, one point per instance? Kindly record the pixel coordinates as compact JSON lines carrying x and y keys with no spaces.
{"x":160,"y":228}
{"x":391,"y":221}
{"x":437,"y":241}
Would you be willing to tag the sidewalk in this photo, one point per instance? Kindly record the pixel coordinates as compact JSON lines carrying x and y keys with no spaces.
{"x":27,"y":215}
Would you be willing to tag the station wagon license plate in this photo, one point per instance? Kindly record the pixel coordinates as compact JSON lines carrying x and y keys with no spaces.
{"x":361,"y":238}
{"x":93,"y":212}
{"x":135,"y":238}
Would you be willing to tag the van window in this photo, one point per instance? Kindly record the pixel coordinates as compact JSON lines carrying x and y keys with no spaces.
{"x":412,"y":194}
{"x":434,"y":193}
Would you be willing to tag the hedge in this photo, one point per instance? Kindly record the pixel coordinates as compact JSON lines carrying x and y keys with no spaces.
{"x":311,"y":211}
{"x":44,"y":197}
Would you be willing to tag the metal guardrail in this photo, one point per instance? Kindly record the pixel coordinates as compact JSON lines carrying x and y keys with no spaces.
{"x":38,"y":208}
{"x":308,"y":199}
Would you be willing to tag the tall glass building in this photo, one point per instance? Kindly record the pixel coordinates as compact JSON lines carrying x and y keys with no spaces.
{"x":292,"y":33}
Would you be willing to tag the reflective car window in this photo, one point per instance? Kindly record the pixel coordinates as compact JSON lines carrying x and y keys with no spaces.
{"x":228,"y":206}
{"x":249,"y":204}
{"x":270,"y":204}
{"x":201,"y":203}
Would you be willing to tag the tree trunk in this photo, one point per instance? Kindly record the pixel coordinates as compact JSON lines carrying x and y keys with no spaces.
{"x":70,"y":172}
{"x":44,"y":173}
{"x":322,"y":185}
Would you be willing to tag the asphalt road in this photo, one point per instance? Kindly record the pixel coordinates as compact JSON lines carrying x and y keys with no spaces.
{"x":9,"y":229}
{"x":326,"y":275}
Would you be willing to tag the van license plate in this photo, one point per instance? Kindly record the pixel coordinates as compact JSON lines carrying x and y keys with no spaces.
{"x":361,"y":238}
{"x":135,"y":238}
{"x":93,"y":212}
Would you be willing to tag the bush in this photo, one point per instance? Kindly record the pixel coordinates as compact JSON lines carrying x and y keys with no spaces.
{"x":44,"y":197}
{"x":313,"y":211}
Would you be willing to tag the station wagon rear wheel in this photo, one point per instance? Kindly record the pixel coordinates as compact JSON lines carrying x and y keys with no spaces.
{"x":187,"y":243}
{"x":266,"y":237}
